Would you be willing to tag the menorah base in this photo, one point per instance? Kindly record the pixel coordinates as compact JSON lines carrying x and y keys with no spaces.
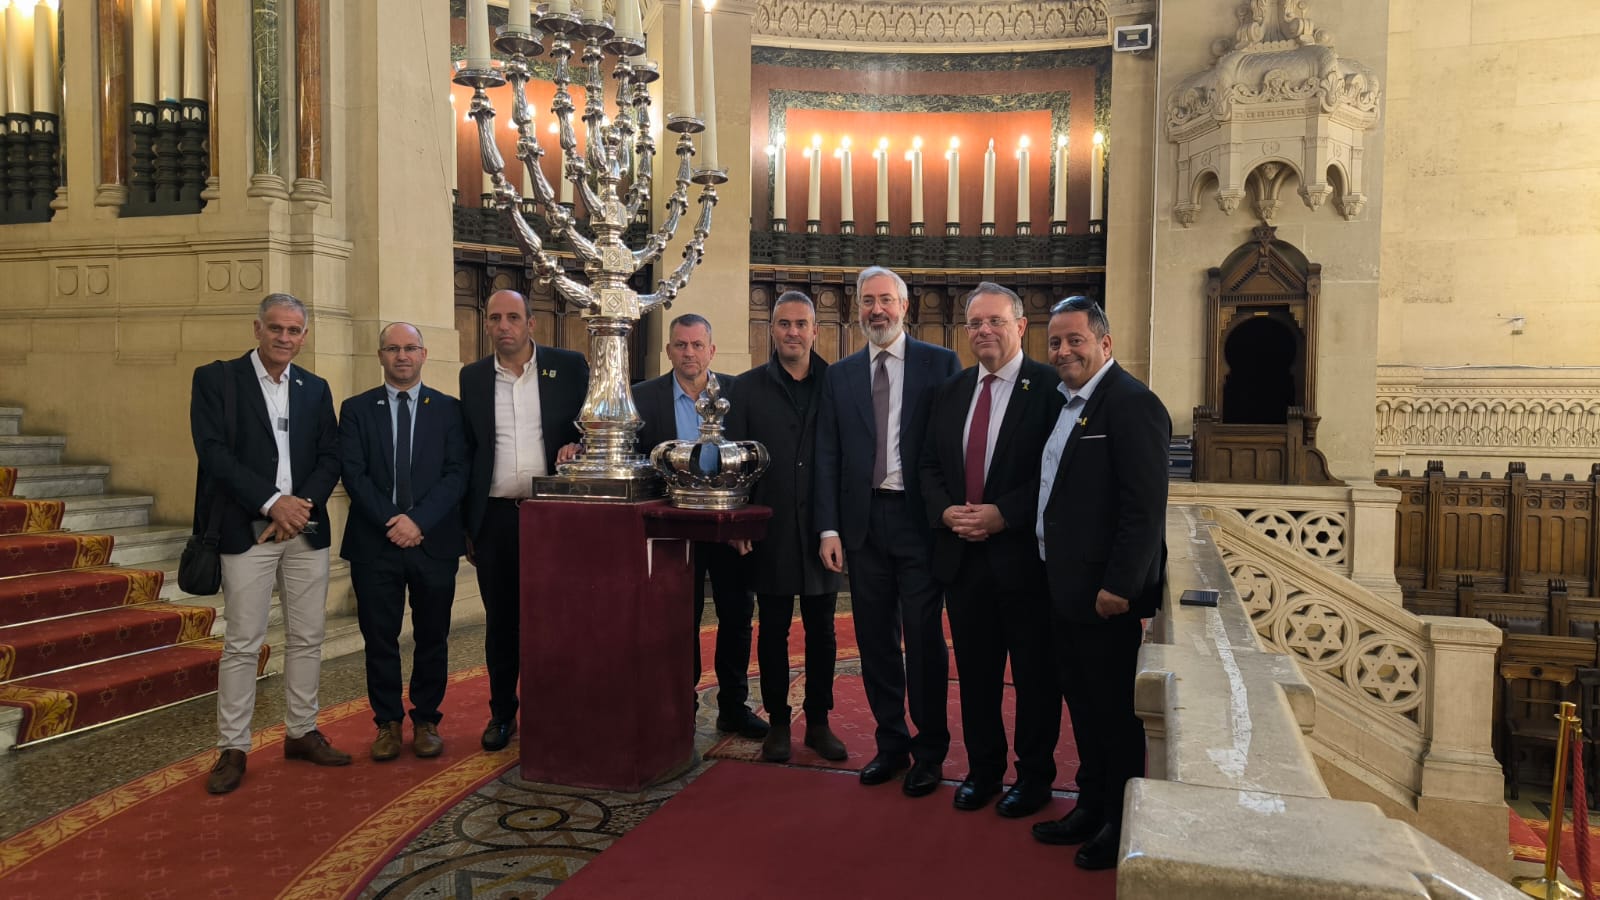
{"x":599,"y":488}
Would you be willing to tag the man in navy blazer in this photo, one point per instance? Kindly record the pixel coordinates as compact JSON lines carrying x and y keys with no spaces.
{"x":1102,"y":533}
{"x":520,"y":407}
{"x":273,"y":468}
{"x":405,"y":468}
{"x":871,"y":421}
{"x":980,"y":482}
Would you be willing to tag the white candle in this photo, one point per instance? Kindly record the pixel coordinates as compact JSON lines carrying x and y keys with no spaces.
{"x":18,"y":72}
{"x":953,"y":156}
{"x":628,"y":19}
{"x":988,"y":183}
{"x":814,"y":186}
{"x":780,"y":179}
{"x":1058,"y":212}
{"x":171,"y":52}
{"x":478,"y":33}
{"x":194,"y":50}
{"x":708,"y":93}
{"x":455,"y":145}
{"x":847,"y":200}
{"x":488,"y":184}
{"x":559,"y":6}
{"x":592,"y":11}
{"x":144,"y":52}
{"x":685,"y":58}
{"x":916,"y":179}
{"x":1024,"y":216}
{"x":44,"y":58}
{"x":520,"y":14}
{"x":5,"y":62}
{"x":882,"y":156}
{"x":1097,"y":170}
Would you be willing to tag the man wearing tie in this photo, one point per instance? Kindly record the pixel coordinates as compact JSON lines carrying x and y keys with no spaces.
{"x":987,"y":428}
{"x":871,"y":420}
{"x":519,"y":407}
{"x":666,"y":403}
{"x":405,"y":468}
{"x":273,"y":467}
{"x":1102,"y":534}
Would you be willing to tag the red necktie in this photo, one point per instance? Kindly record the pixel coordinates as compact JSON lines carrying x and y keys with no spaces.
{"x":978,"y":443}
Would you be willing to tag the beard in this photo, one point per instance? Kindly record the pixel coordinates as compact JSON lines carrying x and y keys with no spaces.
{"x":882,"y":335}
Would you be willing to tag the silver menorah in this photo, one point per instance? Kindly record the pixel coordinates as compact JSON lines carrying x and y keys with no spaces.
{"x":608,"y":466}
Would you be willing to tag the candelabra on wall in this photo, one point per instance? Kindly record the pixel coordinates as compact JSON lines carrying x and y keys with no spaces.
{"x":608,"y":466}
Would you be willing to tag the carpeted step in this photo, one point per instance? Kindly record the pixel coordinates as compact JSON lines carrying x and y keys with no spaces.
{"x":29,"y":554}
{"x":85,"y":696}
{"x":8,"y":480}
{"x":30,"y":516}
{"x":27,"y":598}
{"x":40,"y":647}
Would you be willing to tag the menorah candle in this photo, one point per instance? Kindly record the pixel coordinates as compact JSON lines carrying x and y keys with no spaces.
{"x":988,"y":183}
{"x":477,"y":33}
{"x":780,"y":179}
{"x":44,"y":58}
{"x":915,"y":155}
{"x":592,"y":11}
{"x":171,"y":54}
{"x":520,"y":14}
{"x":1097,"y":177}
{"x":685,"y":58}
{"x":847,"y":202}
{"x":708,"y":94}
{"x":628,"y":19}
{"x":194,"y":50}
{"x":814,"y":186}
{"x":953,"y":200}
{"x":882,"y":156}
{"x":144,"y":51}
{"x":1058,"y":212}
{"x":1023,"y":212}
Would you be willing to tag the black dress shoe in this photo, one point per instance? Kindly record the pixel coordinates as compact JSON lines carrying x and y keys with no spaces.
{"x":883,"y":767}
{"x":1024,"y":799}
{"x":498,"y":734}
{"x":743,"y":722}
{"x":1101,"y":851}
{"x":922,"y":778}
{"x":1073,"y":828}
{"x":975,"y":793}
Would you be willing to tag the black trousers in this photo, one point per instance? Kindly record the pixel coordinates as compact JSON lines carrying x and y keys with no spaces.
{"x":497,"y":555}
{"x":772,"y":652}
{"x":986,"y":626}
{"x":735,"y":608}
{"x":381,"y":585}
{"x":1097,"y":664}
{"x":892,"y":593}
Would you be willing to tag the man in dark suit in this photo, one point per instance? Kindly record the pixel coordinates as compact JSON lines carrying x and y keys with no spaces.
{"x":777,"y":405}
{"x":273,"y":476}
{"x":666,"y":404}
{"x":870,"y":426}
{"x":1101,"y":531}
{"x":405,"y":468}
{"x":519,"y":407}
{"x":987,"y":428}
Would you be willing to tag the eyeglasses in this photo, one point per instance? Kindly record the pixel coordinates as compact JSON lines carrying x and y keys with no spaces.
{"x":995,"y":323}
{"x":410,"y":349}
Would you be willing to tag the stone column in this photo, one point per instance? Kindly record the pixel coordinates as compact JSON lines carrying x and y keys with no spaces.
{"x":214,"y":145}
{"x":309,"y":184}
{"x":112,"y":182}
{"x":1132,"y":136}
{"x":1371,"y":538}
{"x":266,"y":67}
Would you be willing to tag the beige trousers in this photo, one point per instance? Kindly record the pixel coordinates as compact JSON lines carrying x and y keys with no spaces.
{"x":300,"y":574}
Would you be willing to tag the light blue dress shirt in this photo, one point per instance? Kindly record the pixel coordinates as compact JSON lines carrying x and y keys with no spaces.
{"x":394,"y":419}
{"x":1050,"y":462}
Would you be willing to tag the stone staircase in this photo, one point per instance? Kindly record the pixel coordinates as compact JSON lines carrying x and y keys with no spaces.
{"x":42,"y":474}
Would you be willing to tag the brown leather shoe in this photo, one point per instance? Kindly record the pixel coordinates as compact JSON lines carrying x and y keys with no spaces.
{"x":386,"y":745}
{"x":227,"y":773}
{"x":426,"y":743}
{"x":313,"y":747}
{"x":821,"y":738}
{"x":775,"y":748}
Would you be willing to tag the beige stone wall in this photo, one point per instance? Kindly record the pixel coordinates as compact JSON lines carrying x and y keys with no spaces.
{"x":1347,"y":250}
{"x":1491,"y":183}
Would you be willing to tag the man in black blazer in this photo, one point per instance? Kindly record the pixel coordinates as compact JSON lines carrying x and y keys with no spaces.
{"x":1101,"y":531}
{"x":870,"y":426}
{"x":776,"y":404}
{"x":405,"y":469}
{"x":666,"y":404}
{"x":272,"y":476}
{"x":520,"y":407}
{"x":981,"y":490}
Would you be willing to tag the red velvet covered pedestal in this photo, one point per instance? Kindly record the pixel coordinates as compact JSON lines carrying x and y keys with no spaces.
{"x":607,"y":625}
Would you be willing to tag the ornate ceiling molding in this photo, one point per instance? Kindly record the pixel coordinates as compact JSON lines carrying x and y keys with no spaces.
{"x":929,"y":24}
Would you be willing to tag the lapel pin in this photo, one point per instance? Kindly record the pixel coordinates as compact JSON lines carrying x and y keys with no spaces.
{"x":424,"y":401}
{"x":381,"y":403}
{"x":548,"y":373}
{"x":1083,"y":421}
{"x":1025,"y":383}
{"x":299,"y":382}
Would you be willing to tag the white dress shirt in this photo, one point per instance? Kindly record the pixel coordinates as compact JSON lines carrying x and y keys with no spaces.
{"x":276,"y":394}
{"x":518,"y":434}
{"x":1057,"y":444}
{"x":999,"y":396}
{"x":896,"y":367}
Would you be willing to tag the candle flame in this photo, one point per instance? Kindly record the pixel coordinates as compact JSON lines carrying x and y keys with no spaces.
{"x":779,"y":138}
{"x":555,"y":128}
{"x":955,"y":143}
{"x":1062,"y":140}
{"x":806,"y":153}
{"x":1099,"y":137}
{"x":916,"y":143}
{"x":883,"y":143}
{"x":708,"y":4}
{"x":991,"y":145}
{"x":1022,"y":141}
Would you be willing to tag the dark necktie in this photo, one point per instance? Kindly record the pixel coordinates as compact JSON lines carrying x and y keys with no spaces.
{"x":978,"y":442}
{"x":880,"y":415}
{"x":402,"y":453}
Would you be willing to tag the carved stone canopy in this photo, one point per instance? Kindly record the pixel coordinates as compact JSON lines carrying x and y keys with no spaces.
{"x":1277,"y":100}
{"x":929,"y":24}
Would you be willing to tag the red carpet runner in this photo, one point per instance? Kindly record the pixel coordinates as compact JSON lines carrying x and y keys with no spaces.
{"x":30,"y":516}
{"x":782,"y":832}
{"x":1528,"y":838}
{"x":75,"y":591}
{"x":291,"y":830}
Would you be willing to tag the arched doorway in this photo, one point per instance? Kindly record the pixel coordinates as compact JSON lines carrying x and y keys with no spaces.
{"x":1260,"y":381}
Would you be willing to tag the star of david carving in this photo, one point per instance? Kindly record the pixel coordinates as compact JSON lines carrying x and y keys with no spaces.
{"x":1388,"y":672}
{"x":1315,"y":632}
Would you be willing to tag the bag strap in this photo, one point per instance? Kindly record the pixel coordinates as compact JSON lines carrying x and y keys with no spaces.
{"x":230,"y":425}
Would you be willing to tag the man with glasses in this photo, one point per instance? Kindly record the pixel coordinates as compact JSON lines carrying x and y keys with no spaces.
{"x":1102,"y":533}
{"x":981,"y":490}
{"x":267,"y":472}
{"x":405,"y":468}
{"x":872,"y":418}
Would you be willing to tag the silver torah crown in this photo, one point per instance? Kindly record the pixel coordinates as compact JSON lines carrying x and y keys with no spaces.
{"x":737,"y":464}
